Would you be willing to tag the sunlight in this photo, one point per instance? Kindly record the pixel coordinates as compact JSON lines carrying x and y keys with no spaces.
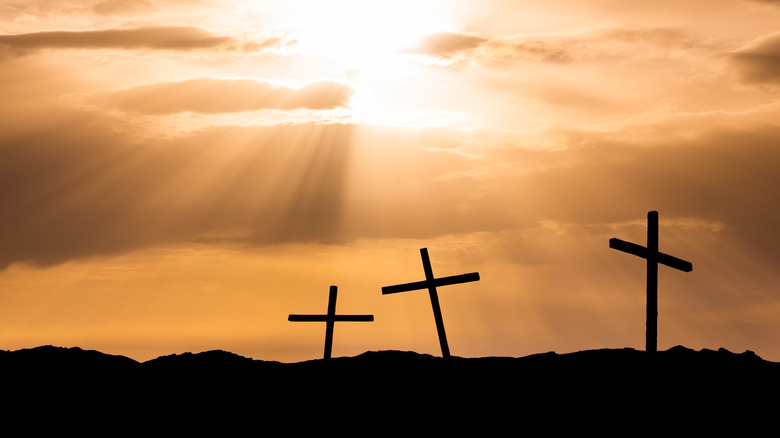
{"x":363,"y":34}
{"x":367,"y":45}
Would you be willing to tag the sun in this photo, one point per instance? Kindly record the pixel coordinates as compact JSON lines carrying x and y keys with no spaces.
{"x":368,"y":45}
{"x":363,"y":34}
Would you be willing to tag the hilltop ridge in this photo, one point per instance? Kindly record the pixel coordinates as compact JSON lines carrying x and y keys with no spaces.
{"x":395,"y":388}
{"x":50,"y":355}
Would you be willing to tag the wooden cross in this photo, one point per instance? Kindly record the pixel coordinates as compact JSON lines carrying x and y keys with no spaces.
{"x":431,"y":284}
{"x":653,"y":259}
{"x":330,"y":320}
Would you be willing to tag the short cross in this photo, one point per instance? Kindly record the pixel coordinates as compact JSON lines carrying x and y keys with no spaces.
{"x":329,"y":320}
{"x":653,"y":259}
{"x":431,"y":283}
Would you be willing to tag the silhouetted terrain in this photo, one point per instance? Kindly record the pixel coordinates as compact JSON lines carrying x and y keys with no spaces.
{"x":392,"y":391}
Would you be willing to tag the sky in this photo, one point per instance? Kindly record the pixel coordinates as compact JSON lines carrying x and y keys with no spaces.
{"x":181,"y":175}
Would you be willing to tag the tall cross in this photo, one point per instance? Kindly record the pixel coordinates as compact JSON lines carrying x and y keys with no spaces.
{"x":329,"y":319}
{"x":653,"y":259}
{"x":431,"y":284}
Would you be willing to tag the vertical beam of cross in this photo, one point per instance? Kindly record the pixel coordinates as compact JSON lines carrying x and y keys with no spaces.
{"x":431,"y":283}
{"x":651,"y":325}
{"x":330,"y":319}
{"x":653,"y":257}
{"x":426,"y":261}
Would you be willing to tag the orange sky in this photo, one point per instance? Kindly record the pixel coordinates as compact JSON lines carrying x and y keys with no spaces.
{"x":180,"y":175}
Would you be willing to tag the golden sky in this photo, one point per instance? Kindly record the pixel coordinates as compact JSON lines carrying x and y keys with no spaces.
{"x":180,"y":175}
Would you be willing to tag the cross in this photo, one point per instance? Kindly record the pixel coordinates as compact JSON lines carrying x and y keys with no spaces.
{"x":431,"y":284}
{"x":329,"y":320}
{"x":653,"y":259}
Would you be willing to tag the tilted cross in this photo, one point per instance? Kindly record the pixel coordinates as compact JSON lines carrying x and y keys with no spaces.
{"x":653,"y":259}
{"x":330,"y":320}
{"x":431,"y":284}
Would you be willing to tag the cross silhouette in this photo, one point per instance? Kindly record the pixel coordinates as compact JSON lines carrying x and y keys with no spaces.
{"x":431,"y":284}
{"x":330,"y":319}
{"x":653,"y":259}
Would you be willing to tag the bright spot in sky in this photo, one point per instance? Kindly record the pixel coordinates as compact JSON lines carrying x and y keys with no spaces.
{"x":369,"y":43}
{"x":362,"y":34}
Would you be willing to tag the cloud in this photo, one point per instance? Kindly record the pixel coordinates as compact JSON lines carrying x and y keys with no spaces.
{"x":268,"y":43}
{"x":210,"y":96}
{"x":114,"y":7}
{"x":592,"y":44}
{"x":759,"y":61}
{"x":445,"y":44}
{"x":76,"y":184}
{"x":720,"y":175}
{"x":72,"y":186}
{"x":181,"y":38}
{"x":45,"y":10}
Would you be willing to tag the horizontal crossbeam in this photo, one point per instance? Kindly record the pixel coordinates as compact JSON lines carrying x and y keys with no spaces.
{"x":641,"y":251}
{"x":425,"y":284}
{"x":326,"y":318}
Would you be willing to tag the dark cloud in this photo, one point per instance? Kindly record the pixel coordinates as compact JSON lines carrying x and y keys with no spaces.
{"x":759,"y":61}
{"x":162,"y":38}
{"x":723,"y":175}
{"x":208,"y":95}
{"x":73,"y":185}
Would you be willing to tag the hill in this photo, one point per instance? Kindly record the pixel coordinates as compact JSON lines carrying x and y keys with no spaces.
{"x":394,"y":390}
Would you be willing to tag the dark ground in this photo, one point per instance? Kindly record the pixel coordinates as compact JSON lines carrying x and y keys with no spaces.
{"x":613,"y":392}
